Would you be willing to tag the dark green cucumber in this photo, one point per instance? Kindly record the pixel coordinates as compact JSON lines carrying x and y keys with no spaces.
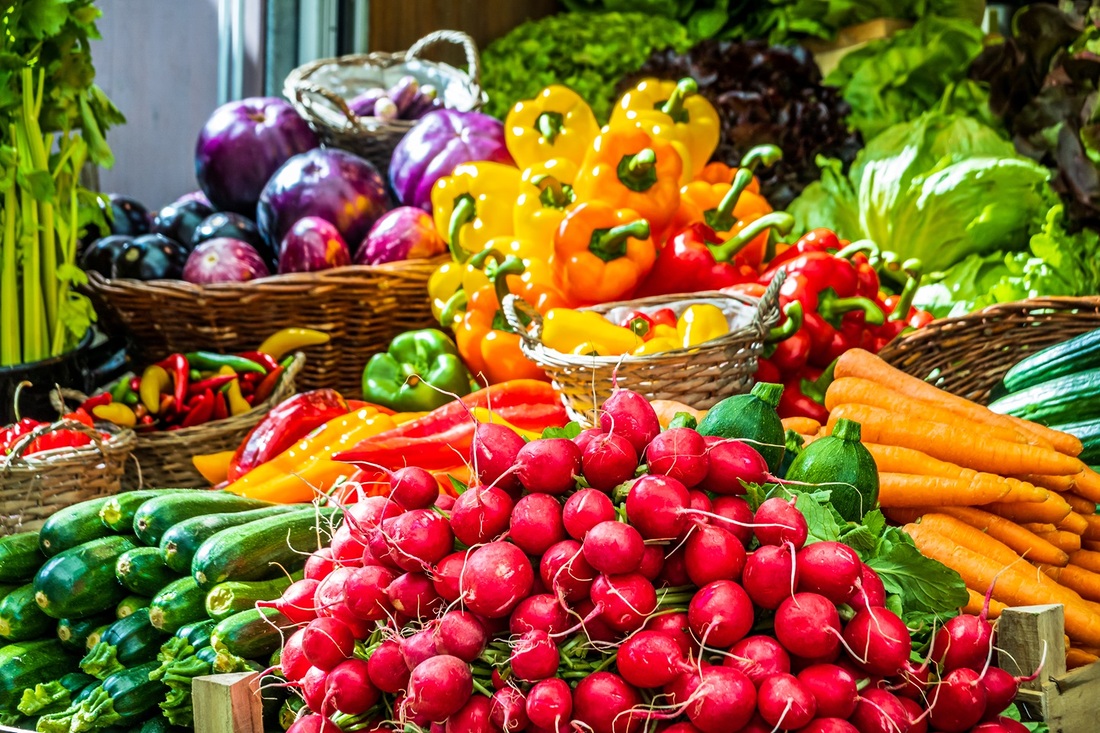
{"x":1078,"y":354}
{"x":178,"y":604}
{"x":226,"y":599}
{"x":156,"y":516}
{"x":1059,"y":400}
{"x":182,"y":540}
{"x":259,"y":550}
{"x":20,"y":557}
{"x":124,"y":698}
{"x":81,"y":582}
{"x":153,"y":725}
{"x":74,"y":633}
{"x":842,"y":465}
{"x":143,"y":571}
{"x":129,"y":604}
{"x":20,"y":617}
{"x":251,"y":634}
{"x":753,"y":418}
{"x":1088,"y":432}
{"x":198,"y":633}
{"x":95,"y":636}
{"x":128,"y":642}
{"x":27,"y":664}
{"x":74,"y":525}
{"x":118,"y":513}
{"x":55,"y":695}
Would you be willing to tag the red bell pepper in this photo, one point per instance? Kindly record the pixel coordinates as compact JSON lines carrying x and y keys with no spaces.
{"x":796,"y":403}
{"x":817,"y":240}
{"x":766,"y":371}
{"x":901,"y":315}
{"x":790,"y":342}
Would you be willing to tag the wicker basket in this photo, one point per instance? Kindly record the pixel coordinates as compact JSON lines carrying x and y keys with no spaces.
{"x":969,"y":355}
{"x":319,"y":90}
{"x":361,"y":307}
{"x":163,"y":458}
{"x":700,"y":376}
{"x":34,"y":487}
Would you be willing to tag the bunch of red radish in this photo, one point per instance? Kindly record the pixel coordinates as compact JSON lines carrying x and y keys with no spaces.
{"x":568,"y":591}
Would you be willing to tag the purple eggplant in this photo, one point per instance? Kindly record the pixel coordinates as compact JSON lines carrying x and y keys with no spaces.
{"x":312,"y":244}
{"x":150,"y":257}
{"x":406,"y":233}
{"x":363,"y":104}
{"x":403,"y":93}
{"x":180,"y":219}
{"x":101,"y":254}
{"x":437,"y":143}
{"x":224,"y":260}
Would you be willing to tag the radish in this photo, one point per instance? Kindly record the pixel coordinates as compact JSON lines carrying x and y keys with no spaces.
{"x":365,"y":589}
{"x":608,"y":461}
{"x":536,"y":523}
{"x":445,"y":502}
{"x":292,"y":660}
{"x":653,"y":562}
{"x":540,"y":612}
{"x":656,"y":507}
{"x":601,"y":702}
{"x":877,"y":711}
{"x":408,"y":718}
{"x":379,"y":550}
{"x":565,"y":572}
{"x":738,"y":517}
{"x":314,"y":723}
{"x":534,"y":657}
{"x":731,"y":462}
{"x":720,"y":613}
{"x":349,"y":688}
{"x":319,"y":564}
{"x":964,"y":641}
{"x":592,"y":625}
{"x":758,"y":658}
{"x":313,"y":690}
{"x":419,"y":538}
{"x":460,"y":634}
{"x":613,"y":548}
{"x":587,"y":436}
{"x":439,"y":687}
{"x":785,"y":703}
{"x":347,"y":549}
{"x":700,"y":502}
{"x":830,"y":725}
{"x":958,"y":702}
{"x":689,"y":728}
{"x":1001,"y":688}
{"x":918,"y":721}
{"x":326,"y":642}
{"x":869,"y":591}
{"x":778,"y":521}
{"x":834,"y":689}
{"x":446,"y":576}
{"x":770,"y":575}
{"x":508,"y":709}
{"x":548,"y":466}
{"x":550,"y":705}
{"x":584,"y":510}
{"x":1000,"y":724}
{"x":496,"y":577}
{"x":650,"y":659}
{"x":674,"y":572}
{"x":418,"y":648}
{"x":914,"y":680}
{"x":386,"y":667}
{"x":721,"y":700}
{"x":711,"y":553}
{"x":474,"y":717}
{"x":878,"y":639}
{"x":624,"y":601}
{"x":298,"y":602}
{"x":674,"y":626}
{"x":808,"y":625}
{"x":680,"y":453}
{"x":413,"y":488}
{"x":630,"y":415}
{"x":414,"y":595}
{"x":364,"y":516}
{"x":480,"y":514}
{"x":831,"y":569}
{"x":331,"y":601}
{"x":493,"y":453}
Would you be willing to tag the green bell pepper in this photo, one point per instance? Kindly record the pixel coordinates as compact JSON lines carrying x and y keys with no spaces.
{"x":419,"y":372}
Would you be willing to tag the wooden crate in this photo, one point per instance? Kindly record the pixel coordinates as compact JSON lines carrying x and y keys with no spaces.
{"x":828,"y":54}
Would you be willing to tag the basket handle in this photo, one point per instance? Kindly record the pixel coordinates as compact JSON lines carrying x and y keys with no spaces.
{"x":332,"y":97}
{"x":515,"y":309}
{"x":458,"y":38}
{"x":769,"y":301}
{"x":23,"y":443}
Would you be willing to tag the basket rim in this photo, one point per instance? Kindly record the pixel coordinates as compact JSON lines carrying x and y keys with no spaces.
{"x":121,"y":440}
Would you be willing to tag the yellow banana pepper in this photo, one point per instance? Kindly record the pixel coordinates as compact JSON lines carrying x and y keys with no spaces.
{"x":283,"y":342}
{"x":557,"y":123}
{"x":154,"y":380}
{"x":701,"y":322}
{"x":473,"y":205}
{"x":483,"y":414}
{"x":665,"y":338}
{"x":565,"y":329}
{"x":214,"y":467}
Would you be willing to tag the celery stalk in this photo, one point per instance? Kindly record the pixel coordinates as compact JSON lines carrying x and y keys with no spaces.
{"x":10,"y":351}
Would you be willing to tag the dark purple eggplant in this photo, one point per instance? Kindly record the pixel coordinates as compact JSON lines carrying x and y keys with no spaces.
{"x":179,"y":220}
{"x":363,"y":104}
{"x":128,"y":216}
{"x":403,"y":93}
{"x":101,"y":254}
{"x":233,"y":226}
{"x":151,"y":257}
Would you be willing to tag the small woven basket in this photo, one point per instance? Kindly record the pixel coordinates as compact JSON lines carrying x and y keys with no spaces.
{"x":969,"y":355}
{"x":34,"y":487}
{"x":163,"y":458}
{"x":699,"y":377}
{"x":320,"y":89}
{"x":361,"y":307}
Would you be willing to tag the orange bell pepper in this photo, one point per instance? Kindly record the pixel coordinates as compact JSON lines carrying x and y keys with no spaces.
{"x":214,"y":467}
{"x":628,"y":168}
{"x":601,"y":252}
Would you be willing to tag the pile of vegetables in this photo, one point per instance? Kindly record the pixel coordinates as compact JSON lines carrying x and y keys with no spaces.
{"x":407,"y":99}
{"x":49,"y":436}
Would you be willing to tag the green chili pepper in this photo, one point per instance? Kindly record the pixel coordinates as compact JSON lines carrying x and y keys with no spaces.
{"x":211,"y":361}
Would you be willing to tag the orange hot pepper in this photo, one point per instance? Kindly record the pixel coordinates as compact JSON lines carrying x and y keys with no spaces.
{"x":628,"y":168}
{"x":602,"y":253}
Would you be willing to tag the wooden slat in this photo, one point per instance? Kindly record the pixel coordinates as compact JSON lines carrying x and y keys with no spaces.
{"x":228,"y":703}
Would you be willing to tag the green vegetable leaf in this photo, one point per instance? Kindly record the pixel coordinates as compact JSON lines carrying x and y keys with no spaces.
{"x":861,"y":539}
{"x":922,"y":583}
{"x":822,"y":521}
{"x":570,"y":431}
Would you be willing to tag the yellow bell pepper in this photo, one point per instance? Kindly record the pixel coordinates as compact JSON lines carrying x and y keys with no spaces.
{"x":557,"y":123}
{"x":665,"y":338}
{"x":546,"y":196}
{"x":676,"y":112}
{"x":449,"y":279}
{"x":473,"y":205}
{"x":701,"y":322}
{"x":565,"y":329}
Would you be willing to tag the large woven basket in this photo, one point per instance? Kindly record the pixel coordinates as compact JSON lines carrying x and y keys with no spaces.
{"x":699,"y":377}
{"x":34,"y":487}
{"x":163,"y":458}
{"x":969,"y":355}
{"x":320,"y":91}
{"x":361,"y":307}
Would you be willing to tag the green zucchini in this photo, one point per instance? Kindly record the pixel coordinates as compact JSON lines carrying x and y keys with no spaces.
{"x":258,"y":550}
{"x":1078,"y":354}
{"x":153,"y":725}
{"x":1088,"y":432}
{"x":841,"y":464}
{"x":6,"y":589}
{"x":20,"y":617}
{"x":96,"y":635}
{"x":143,"y":571}
{"x":251,"y":634}
{"x":178,"y":604}
{"x":751,"y":417}
{"x":1059,"y":400}
{"x":118,"y":513}
{"x":81,"y":581}
{"x":55,"y":695}
{"x":156,"y":516}
{"x":124,"y":698}
{"x":74,"y":633}
{"x":226,"y":599}
{"x":74,"y":525}
{"x":129,"y":641}
{"x":181,"y":541}
{"x":129,"y":604}
{"x":26,"y":664}
{"x":198,"y":633}
{"x":20,"y":557}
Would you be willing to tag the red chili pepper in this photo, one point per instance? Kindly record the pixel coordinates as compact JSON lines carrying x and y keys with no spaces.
{"x":696,"y":259}
{"x":176,"y":365}
{"x":201,"y":410}
{"x":80,"y":415}
{"x":103,"y":398}
{"x":267,"y":386}
{"x":135,"y":384}
{"x":817,"y":240}
{"x":220,"y":410}
{"x":11,"y":434}
{"x":664,"y":317}
{"x":211,"y":383}
{"x":251,"y":379}
{"x":265,"y":360}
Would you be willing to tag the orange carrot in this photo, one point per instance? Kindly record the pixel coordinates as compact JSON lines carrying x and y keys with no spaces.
{"x":1076,"y":523}
{"x":1080,"y":504}
{"x":1067,"y":541}
{"x":1092,"y":526}
{"x":955,"y":444}
{"x":802,"y":425}
{"x":1076,"y":658}
{"x":860,"y":363}
{"x":1054,"y":483}
{"x":1053,"y":510}
{"x":907,"y":490}
{"x":1087,"y":559}
{"x":969,"y":537}
{"x":1037,"y":526}
{"x":1086,"y":482}
{"x":895,"y":459}
{"x":1022,"y":541}
{"x":977,"y":602}
{"x":1085,"y":582}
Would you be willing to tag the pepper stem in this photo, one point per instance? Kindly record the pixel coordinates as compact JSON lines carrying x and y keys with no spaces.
{"x":832,"y":308}
{"x":550,"y":125}
{"x":674,"y":105}
{"x":610,"y":244}
{"x":847,"y":430}
{"x":721,"y":218}
{"x":638,"y":172}
{"x":790,"y":326}
{"x":781,"y":221}
{"x":553,"y":194}
{"x":15,"y":398}
{"x":769,"y":392}
{"x":866,"y":246}
{"x":465,"y":210}
{"x":511,"y":265}
{"x":454,"y":305}
{"x":766,"y":154}
{"x":914,"y":269}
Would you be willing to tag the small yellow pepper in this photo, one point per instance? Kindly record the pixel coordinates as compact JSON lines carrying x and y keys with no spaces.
{"x":281,"y":343}
{"x":154,"y":380}
{"x":117,"y":413}
{"x":482,"y":414}
{"x":701,"y":322}
{"x":558,"y":123}
{"x":565,"y":329}
{"x":665,"y":338}
{"x":214,"y":467}
{"x":238,"y":405}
